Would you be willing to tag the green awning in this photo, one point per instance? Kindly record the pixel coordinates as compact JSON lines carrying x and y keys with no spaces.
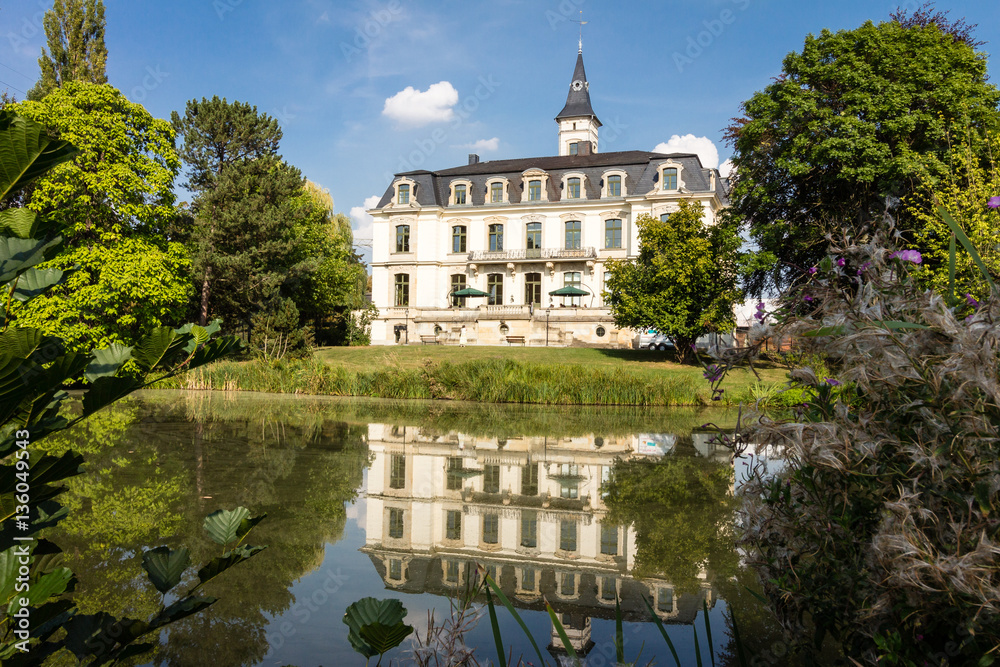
{"x":470,"y":291}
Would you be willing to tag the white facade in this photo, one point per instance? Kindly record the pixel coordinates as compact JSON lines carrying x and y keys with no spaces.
{"x":501,"y":226}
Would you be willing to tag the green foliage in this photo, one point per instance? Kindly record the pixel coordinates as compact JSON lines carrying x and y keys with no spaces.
{"x":971,"y":180}
{"x":685,"y":280}
{"x":112,"y":205}
{"x":33,"y":369}
{"x":856,"y":117}
{"x":376,"y":626}
{"x":75,"y":33}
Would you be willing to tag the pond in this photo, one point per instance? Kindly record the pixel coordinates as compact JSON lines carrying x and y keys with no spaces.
{"x":409,"y":500}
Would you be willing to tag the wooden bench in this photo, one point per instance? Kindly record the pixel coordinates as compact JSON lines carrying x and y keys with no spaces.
{"x":430,"y":339}
{"x":511,"y":340}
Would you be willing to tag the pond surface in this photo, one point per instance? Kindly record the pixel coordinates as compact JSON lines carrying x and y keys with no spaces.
{"x":405,"y":500}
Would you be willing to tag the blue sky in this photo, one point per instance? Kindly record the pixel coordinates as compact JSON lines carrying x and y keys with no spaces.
{"x":365,"y":89}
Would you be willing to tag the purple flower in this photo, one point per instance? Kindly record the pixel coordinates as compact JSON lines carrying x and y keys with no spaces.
{"x":994,"y":202}
{"x":832,"y":382}
{"x":864,"y":267}
{"x":841,"y":261}
{"x":971,"y":300}
{"x":908,"y":256}
{"x":713,"y":373}
{"x":760,"y":312}
{"x":813,"y":271}
{"x":807,"y":298}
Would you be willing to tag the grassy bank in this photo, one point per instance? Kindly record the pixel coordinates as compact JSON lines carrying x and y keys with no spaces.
{"x":518,"y":375}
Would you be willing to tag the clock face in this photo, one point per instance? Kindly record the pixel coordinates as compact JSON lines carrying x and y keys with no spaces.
{"x":578,"y":85}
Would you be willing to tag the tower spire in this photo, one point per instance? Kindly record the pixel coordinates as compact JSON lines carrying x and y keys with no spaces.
{"x":582,"y":23}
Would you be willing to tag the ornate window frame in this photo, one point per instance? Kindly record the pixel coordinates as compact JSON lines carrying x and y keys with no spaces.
{"x":670,"y":164}
{"x":412,"y":197}
{"x":565,"y":186}
{"x":534,"y":174}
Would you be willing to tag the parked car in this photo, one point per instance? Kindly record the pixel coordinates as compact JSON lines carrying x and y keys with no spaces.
{"x":651,"y":339}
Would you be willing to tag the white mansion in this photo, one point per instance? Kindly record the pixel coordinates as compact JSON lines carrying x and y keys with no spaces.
{"x":518,"y":230}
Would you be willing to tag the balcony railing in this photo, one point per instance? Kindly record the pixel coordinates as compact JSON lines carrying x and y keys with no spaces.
{"x":534,"y":253}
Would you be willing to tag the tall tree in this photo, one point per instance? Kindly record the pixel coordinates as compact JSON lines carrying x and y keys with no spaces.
{"x":113,"y":204}
{"x":684,"y":281}
{"x":847,"y":129}
{"x":75,"y":33}
{"x":217,"y":134}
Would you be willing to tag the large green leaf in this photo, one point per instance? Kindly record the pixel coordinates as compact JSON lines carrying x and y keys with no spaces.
{"x":107,"y":390}
{"x":165,"y":566}
{"x":27,"y":152}
{"x":22,"y":223}
{"x":180,"y":609}
{"x":19,"y":255}
{"x":248,"y":524}
{"x":20,"y":341}
{"x":383,"y":638}
{"x":215,"y":349}
{"x":219,"y":565}
{"x":368,"y":611}
{"x":223,"y":525}
{"x":107,"y":361}
{"x":35,"y":282}
{"x":155,"y":346}
{"x":47,"y":586}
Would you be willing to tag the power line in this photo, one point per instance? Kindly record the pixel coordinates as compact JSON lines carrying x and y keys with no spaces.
{"x":11,"y":86}
{"x":15,"y":71}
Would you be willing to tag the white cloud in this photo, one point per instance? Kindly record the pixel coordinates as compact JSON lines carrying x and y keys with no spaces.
{"x":483,"y":145}
{"x":703,"y":147}
{"x":361,"y":222}
{"x":414,"y":107}
{"x":726,"y":168}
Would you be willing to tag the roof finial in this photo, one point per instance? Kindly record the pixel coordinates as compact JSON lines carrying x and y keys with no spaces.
{"x":582,"y":23}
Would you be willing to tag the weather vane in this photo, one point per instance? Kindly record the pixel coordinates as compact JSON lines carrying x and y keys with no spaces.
{"x":582,"y":23}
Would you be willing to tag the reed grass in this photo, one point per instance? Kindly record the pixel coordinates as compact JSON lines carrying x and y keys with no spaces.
{"x":491,"y":380}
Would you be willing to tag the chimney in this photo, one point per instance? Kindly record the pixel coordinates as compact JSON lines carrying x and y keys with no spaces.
{"x":473,"y":158}
{"x":583,"y":148}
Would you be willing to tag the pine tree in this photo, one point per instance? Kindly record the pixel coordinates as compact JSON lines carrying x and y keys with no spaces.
{"x":75,"y":33}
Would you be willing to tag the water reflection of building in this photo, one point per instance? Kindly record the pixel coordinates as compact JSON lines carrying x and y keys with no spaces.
{"x":528,"y":509}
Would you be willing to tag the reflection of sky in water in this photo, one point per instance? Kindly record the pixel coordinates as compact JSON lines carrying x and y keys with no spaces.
{"x":273,"y":451}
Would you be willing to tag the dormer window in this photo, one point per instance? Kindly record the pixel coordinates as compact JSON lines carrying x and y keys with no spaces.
{"x":534,"y":190}
{"x":615,"y":186}
{"x":403,"y":194}
{"x":670,"y":178}
{"x":459,"y":194}
{"x":573,"y":188}
{"x":496,"y":192}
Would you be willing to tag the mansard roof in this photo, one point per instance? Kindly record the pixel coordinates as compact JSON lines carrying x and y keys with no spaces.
{"x":640,"y":168}
{"x":578,"y":101}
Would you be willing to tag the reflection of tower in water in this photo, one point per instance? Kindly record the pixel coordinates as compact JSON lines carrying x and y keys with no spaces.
{"x":529,"y":510}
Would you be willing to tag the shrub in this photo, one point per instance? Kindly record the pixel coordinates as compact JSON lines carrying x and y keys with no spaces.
{"x":884,"y":527}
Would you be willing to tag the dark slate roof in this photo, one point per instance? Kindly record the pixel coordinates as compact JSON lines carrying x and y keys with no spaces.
{"x":578,"y":101}
{"x":640,"y":167}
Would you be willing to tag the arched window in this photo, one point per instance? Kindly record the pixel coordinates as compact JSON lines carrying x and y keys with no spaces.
{"x":613,"y":233}
{"x":402,"y":238}
{"x":670,"y":178}
{"x":494,"y":285}
{"x":402,"y":289}
{"x":534,"y":190}
{"x":496,"y":192}
{"x":533,"y":238}
{"x":532,"y":288}
{"x":573,"y":188}
{"x":403,"y":194}
{"x":458,"y":237}
{"x":573,"y":234}
{"x":458,"y":283}
{"x":496,"y":238}
{"x":460,"y":194}
{"x":615,"y":186}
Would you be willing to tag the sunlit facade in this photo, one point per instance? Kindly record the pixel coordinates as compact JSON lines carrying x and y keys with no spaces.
{"x":519,"y":229}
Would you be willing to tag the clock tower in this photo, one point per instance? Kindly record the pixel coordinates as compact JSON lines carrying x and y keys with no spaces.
{"x":577,"y":121}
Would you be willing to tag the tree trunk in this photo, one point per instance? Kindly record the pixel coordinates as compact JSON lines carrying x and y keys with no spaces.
{"x":203,"y":314}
